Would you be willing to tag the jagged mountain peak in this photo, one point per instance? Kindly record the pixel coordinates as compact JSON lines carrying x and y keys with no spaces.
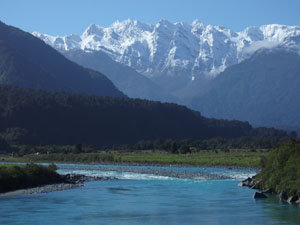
{"x":176,"y":49}
{"x":164,"y":22}
{"x":93,"y":29}
{"x":197,"y":22}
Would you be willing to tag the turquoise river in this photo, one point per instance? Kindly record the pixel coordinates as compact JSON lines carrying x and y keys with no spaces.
{"x":142,"y":195}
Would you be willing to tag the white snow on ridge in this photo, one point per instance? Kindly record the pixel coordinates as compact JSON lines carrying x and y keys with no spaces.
{"x":176,"y":48}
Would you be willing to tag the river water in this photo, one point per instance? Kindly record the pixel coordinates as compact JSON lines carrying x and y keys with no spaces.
{"x":144,"y":195}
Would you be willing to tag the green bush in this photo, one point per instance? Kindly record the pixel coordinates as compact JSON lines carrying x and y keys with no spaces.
{"x":281,"y":169}
{"x":13,"y":177}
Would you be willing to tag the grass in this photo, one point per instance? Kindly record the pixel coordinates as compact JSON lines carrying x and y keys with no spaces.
{"x":6,"y":166}
{"x":240,"y":158}
{"x":245,"y":159}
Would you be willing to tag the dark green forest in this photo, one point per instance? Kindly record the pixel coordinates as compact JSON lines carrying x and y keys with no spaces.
{"x":190,"y":146}
{"x":30,"y":116}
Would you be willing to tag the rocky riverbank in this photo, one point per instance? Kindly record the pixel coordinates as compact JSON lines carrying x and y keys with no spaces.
{"x":79,"y":178}
{"x":254,"y":183}
{"x":176,"y":172}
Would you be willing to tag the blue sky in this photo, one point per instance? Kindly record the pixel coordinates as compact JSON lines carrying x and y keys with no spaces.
{"x":59,"y":17}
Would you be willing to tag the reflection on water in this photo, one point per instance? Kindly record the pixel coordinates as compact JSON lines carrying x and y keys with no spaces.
{"x":288,"y":213}
{"x":149,"y":201}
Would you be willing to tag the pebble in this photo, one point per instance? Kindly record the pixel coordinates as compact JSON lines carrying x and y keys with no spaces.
{"x":182,"y":174}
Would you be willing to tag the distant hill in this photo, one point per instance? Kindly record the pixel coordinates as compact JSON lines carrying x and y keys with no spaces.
{"x":30,"y":116}
{"x":126,"y":79}
{"x":263,"y":90}
{"x":26,"y":61}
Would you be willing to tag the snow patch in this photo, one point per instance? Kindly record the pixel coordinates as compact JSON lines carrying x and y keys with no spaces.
{"x":166,"y":48}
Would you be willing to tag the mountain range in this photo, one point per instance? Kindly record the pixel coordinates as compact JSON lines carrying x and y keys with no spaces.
{"x":200,"y":66}
{"x":176,"y":49}
{"x":47,"y":99}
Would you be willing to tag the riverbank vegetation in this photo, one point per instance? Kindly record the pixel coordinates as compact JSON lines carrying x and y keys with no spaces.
{"x":243,"y":151}
{"x":184,"y":146}
{"x":14,"y":177}
{"x":191,"y":145}
{"x":281,"y":169}
{"x":245,"y":158}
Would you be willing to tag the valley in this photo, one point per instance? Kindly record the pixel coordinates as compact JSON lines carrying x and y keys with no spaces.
{"x":149,"y":120}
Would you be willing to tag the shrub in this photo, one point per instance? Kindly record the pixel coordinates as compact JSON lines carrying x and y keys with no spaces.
{"x":13,"y":177}
{"x":281,"y":169}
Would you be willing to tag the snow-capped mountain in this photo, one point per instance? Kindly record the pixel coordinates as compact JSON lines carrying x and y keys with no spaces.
{"x":176,"y":49}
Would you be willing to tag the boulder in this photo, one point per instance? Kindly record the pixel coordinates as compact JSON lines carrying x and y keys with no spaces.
{"x":79,"y":179}
{"x":259,"y":195}
{"x":283,"y":196}
{"x":293,"y":199}
{"x":248,"y":180}
{"x":241,"y":184}
{"x":251,"y":184}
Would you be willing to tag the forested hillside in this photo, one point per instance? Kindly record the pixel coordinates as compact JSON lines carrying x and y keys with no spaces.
{"x":29,"y":116}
